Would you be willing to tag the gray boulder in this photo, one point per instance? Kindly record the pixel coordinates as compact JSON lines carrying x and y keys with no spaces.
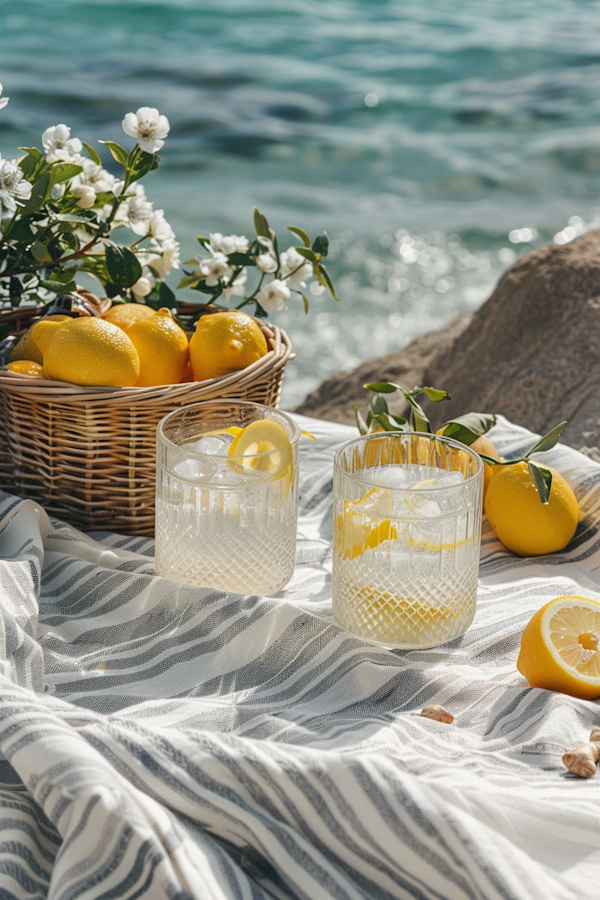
{"x":531,"y":352}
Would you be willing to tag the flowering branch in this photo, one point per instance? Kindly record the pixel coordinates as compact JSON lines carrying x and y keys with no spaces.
{"x":224,"y":272}
{"x":59,"y":210}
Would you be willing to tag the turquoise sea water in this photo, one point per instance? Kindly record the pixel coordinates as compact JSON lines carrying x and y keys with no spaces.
{"x":434,"y":142}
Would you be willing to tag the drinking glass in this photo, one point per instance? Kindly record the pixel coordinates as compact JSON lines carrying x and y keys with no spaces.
{"x":225,"y":519}
{"x":407,"y":531}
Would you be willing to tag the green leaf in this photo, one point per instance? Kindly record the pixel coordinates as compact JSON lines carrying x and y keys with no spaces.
{"x":119,"y":153}
{"x":326,"y":280}
{"x":261,"y":225}
{"x":360,"y":422}
{"x":63,"y":172}
{"x":491,"y":461}
{"x":201,"y":286}
{"x":59,"y":288}
{"x":469,"y":427}
{"x":241,"y":259}
{"x":388,"y":423}
{"x":378,"y":405}
{"x":542,"y":478}
{"x":305,"y":302}
{"x":548,"y":441}
{"x":382,"y":387}
{"x":38,"y":195}
{"x":122,"y":265}
{"x":70,"y":217}
{"x":435,"y":395}
{"x":29,"y":163}
{"x":417,"y":419}
{"x":162,"y":297}
{"x":92,"y":154}
{"x":321,"y":244}
{"x":301,"y":234}
{"x":142,"y":164}
{"x":20,"y":230}
{"x":307,"y":253}
{"x":40,"y":252}
{"x":187,"y":281}
{"x":61,"y":277}
{"x":204,"y":241}
{"x":32,"y":151}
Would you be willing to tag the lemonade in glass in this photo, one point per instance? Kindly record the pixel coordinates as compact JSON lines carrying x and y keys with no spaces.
{"x":407,"y":531}
{"x":227,"y":496}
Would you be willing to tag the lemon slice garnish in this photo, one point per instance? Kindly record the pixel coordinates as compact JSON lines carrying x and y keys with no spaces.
{"x":263,"y":446}
{"x":356,"y":531}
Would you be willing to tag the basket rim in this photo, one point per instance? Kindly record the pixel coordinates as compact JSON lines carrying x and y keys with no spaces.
{"x":68,"y":392}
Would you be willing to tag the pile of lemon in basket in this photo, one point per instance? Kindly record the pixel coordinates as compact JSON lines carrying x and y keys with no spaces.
{"x":133,"y":345}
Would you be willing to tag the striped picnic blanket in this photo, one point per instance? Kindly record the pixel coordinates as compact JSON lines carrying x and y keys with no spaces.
{"x":164,"y":741}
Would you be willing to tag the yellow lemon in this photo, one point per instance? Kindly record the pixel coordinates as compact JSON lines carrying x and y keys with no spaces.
{"x":87,"y":351}
{"x":26,"y":367}
{"x":559,"y":648}
{"x":27,"y":347}
{"x":523,"y":523}
{"x":162,"y":347}
{"x":225,"y":342}
{"x":263,"y":446}
{"x":361,"y":526}
{"x":125,"y":314}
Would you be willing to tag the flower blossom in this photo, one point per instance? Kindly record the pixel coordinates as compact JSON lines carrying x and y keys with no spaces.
{"x":214,"y":269}
{"x":231,"y":243}
{"x":273,"y":296}
{"x":59,"y":145}
{"x":236,"y":288}
{"x":94,"y":176}
{"x":3,"y":100}
{"x":86,"y":194}
{"x":147,"y":127}
{"x":291,"y":260}
{"x":168,"y":259}
{"x":144,"y":285}
{"x":135,"y":211}
{"x":14,"y":189}
{"x":159,"y":228}
{"x":266,"y":263}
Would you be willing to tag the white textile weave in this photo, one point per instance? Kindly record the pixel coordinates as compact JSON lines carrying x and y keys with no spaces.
{"x":164,"y":741}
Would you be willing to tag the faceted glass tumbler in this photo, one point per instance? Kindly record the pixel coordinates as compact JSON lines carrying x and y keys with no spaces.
{"x":225,"y":521}
{"x":407,"y":532}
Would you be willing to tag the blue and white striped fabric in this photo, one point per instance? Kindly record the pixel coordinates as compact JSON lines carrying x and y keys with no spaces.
{"x":164,"y":741}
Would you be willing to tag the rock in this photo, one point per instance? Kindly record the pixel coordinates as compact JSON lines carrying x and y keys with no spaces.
{"x":333,"y":399}
{"x":532,"y":350}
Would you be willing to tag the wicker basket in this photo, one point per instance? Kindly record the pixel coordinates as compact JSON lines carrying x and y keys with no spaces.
{"x":87,"y":454}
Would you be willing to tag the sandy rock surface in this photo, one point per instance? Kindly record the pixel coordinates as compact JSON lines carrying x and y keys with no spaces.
{"x":531,"y":352}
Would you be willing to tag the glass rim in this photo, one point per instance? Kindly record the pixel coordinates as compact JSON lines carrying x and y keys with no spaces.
{"x":225,"y":456}
{"x":456,"y":445}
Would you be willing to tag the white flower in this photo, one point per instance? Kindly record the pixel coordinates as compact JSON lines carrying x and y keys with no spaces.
{"x":291,"y":260}
{"x":266,"y":263}
{"x":159,"y":228}
{"x":13,"y":187}
{"x":236,"y":289}
{"x":94,"y":176}
{"x":169,"y":259}
{"x":135,"y":211}
{"x":214,"y":269}
{"x":273,"y":296}
{"x":143,"y":285}
{"x":147,"y":127}
{"x":3,"y":100}
{"x":58,"y":144}
{"x":231,"y":243}
{"x":86,"y":194}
